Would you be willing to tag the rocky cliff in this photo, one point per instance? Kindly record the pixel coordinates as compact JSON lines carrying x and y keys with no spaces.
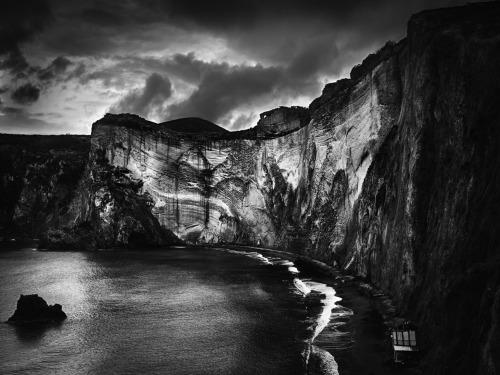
{"x":289,"y":181}
{"x":52,"y":188}
{"x":392,"y":175}
{"x":39,"y":178}
{"x":426,"y":225}
{"x":110,"y":209}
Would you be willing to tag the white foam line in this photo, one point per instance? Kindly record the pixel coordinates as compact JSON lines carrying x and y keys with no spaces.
{"x":305,"y":287}
{"x":299,"y":284}
{"x":301,"y":287}
{"x":251,"y":254}
{"x":330,"y":301}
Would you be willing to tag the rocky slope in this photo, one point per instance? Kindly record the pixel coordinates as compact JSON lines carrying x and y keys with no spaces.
{"x":39,"y":177}
{"x":53,"y":189}
{"x":110,"y":209}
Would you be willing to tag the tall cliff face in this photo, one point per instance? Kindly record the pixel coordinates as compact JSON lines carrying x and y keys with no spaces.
{"x":273,"y":185}
{"x":427,"y":225}
{"x":392,"y":174}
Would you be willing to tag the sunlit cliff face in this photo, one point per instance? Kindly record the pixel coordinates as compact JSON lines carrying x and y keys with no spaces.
{"x":264,"y":188}
{"x":64,"y":64}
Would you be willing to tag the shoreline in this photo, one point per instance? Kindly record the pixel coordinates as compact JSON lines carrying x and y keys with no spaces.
{"x":387,"y":307}
{"x":320,"y":299}
{"x":373,"y":315}
{"x":366,"y":300}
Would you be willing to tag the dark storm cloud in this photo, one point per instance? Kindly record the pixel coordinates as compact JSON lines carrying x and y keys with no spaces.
{"x":77,"y":73}
{"x":318,"y":56}
{"x":60,"y":64}
{"x":255,"y":27}
{"x":55,"y":68}
{"x":269,"y":28}
{"x":248,"y":56}
{"x":223,"y":87}
{"x":191,"y":69}
{"x":156,"y":90}
{"x":220,"y":91}
{"x":20,"y":21}
{"x":297,"y":41}
{"x":12,"y":111}
{"x":26,"y":94}
{"x":14,"y":62}
{"x":102,"y":17}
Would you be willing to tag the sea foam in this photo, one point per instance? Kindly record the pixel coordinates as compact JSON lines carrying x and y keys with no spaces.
{"x":322,"y":358}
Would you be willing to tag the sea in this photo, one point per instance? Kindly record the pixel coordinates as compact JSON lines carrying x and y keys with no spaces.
{"x":170,"y":311}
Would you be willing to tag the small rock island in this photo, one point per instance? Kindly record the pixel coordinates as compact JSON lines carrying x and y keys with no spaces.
{"x":32,"y":309}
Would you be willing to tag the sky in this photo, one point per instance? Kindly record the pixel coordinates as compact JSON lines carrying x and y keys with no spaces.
{"x":65,"y":63}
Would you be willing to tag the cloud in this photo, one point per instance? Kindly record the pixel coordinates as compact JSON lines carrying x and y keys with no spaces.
{"x":14,"y":62}
{"x":26,"y":94}
{"x":20,"y":21}
{"x":248,"y":56}
{"x":315,"y":57}
{"x":143,"y":102}
{"x":222,"y":90}
{"x":60,"y":64}
{"x":269,"y":31}
{"x":242,"y":120}
{"x":17,"y":120}
{"x":57,"y":67}
{"x":12,"y":111}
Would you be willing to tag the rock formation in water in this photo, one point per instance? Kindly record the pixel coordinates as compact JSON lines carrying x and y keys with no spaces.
{"x":32,"y":309}
{"x":393,"y":175}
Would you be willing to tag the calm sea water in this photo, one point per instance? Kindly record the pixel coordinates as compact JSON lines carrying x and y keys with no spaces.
{"x":178,"y":311}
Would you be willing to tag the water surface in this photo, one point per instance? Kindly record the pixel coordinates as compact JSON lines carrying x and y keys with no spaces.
{"x":179,"y":311}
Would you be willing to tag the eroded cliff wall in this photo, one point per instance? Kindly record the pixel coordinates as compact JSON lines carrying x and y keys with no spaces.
{"x":274,"y":186}
{"x":427,"y":223}
{"x":392,"y":175}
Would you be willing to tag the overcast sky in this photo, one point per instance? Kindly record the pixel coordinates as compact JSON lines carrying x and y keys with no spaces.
{"x":65,"y":63}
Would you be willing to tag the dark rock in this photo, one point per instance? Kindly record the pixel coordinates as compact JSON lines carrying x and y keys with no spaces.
{"x":32,"y":309}
{"x":111,"y":210}
{"x":193,"y":125}
{"x":39,"y":179}
{"x":282,"y":120}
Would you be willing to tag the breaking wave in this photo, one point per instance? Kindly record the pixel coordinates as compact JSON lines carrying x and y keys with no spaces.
{"x":320,"y":360}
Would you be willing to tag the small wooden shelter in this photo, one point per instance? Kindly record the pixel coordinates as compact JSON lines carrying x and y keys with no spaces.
{"x":404,"y":343}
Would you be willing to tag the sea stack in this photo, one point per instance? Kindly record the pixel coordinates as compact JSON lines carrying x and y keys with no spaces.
{"x":32,"y":309}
